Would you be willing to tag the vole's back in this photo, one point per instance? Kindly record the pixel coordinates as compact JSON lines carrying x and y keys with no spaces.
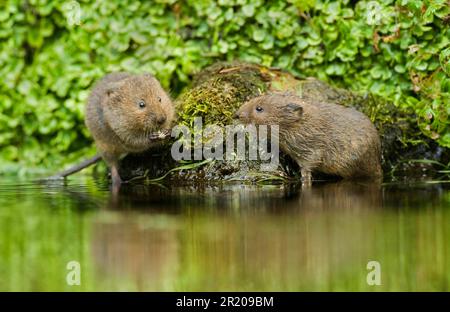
{"x":95,"y":119}
{"x":352,"y":146}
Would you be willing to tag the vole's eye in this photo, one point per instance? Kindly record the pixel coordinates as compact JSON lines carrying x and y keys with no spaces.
{"x":159,"y":99}
{"x":141,"y":104}
{"x":259,"y":109}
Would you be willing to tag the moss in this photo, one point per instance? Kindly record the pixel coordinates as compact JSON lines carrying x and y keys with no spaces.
{"x":219,"y":91}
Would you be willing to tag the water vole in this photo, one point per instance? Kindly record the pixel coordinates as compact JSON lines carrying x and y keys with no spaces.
{"x":322,"y":137}
{"x":123,"y":111}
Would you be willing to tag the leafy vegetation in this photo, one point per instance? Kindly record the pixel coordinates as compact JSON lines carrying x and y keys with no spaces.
{"x":399,"y":50}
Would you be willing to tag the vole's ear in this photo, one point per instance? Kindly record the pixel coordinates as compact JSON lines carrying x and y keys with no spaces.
{"x":293,"y":111}
{"x":294,"y":108}
{"x":112,"y":87}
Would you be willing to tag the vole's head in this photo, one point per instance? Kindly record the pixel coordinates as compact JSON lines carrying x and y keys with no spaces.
{"x":271,"y":109}
{"x":138,"y":104}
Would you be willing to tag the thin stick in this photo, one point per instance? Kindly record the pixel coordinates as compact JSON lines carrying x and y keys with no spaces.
{"x":76,"y":168}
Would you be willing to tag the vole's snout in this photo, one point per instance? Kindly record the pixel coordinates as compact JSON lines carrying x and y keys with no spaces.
{"x":240,"y":115}
{"x":161,"y":120}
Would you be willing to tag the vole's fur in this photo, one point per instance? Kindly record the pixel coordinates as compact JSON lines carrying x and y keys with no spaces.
{"x":322,"y":137}
{"x":122,"y":112}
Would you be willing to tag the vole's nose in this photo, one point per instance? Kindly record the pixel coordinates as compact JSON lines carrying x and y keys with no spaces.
{"x":241,"y":115}
{"x":161,"y":119}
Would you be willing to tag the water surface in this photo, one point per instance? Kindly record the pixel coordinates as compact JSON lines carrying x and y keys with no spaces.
{"x":229,"y":237}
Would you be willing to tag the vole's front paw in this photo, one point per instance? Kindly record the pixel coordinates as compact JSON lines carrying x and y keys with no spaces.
{"x":160,"y":135}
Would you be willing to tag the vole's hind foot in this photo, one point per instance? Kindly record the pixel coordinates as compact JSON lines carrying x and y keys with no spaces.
{"x":306,"y":177}
{"x":116,"y":180}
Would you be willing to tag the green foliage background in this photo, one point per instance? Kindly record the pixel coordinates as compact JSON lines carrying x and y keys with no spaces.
{"x":397,"y":49}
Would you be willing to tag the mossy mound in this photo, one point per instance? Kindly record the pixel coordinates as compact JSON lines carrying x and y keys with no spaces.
{"x":219,"y":90}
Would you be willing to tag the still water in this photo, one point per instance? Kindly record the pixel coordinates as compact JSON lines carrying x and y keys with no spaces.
{"x":228,"y":237}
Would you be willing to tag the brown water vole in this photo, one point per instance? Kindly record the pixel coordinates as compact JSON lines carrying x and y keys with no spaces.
{"x":123,"y":111}
{"x":322,"y":137}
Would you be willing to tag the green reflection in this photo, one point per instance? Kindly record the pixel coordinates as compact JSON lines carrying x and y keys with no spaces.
{"x":229,"y":237}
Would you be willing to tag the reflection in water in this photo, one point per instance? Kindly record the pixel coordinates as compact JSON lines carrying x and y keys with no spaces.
{"x":229,"y":237}
{"x":144,"y":252}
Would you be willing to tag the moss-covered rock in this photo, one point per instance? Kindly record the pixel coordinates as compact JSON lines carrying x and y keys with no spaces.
{"x":219,"y":90}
